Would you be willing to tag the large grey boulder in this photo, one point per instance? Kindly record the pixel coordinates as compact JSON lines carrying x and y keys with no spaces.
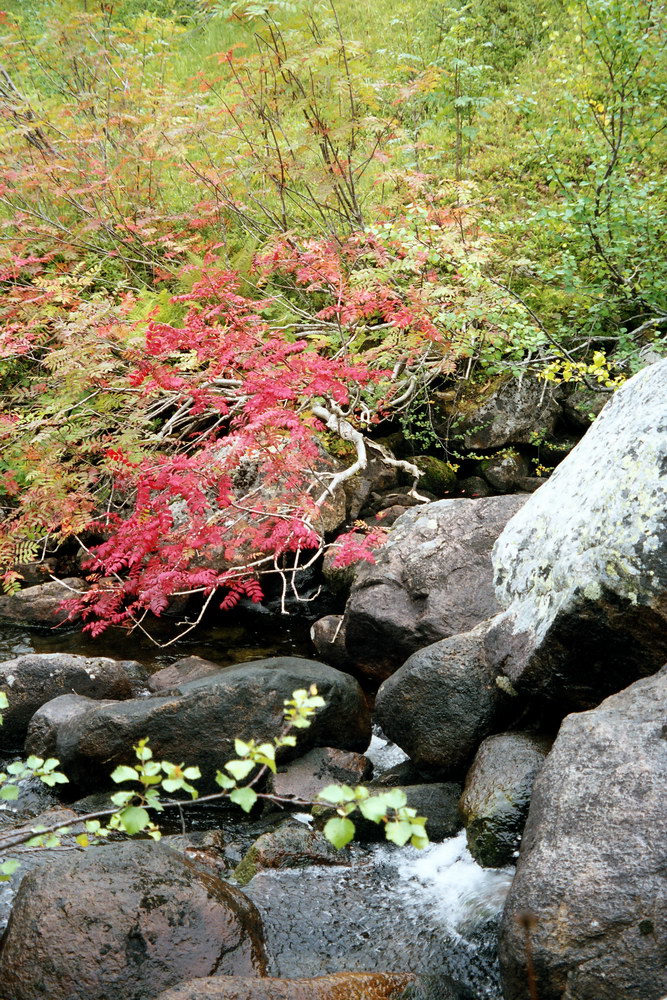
{"x":431,"y":579}
{"x":33,"y":679}
{"x":124,"y":922}
{"x":504,"y":411}
{"x":197,"y":722}
{"x":581,"y":569}
{"x":591,"y":889}
{"x":497,"y":794}
{"x":441,"y":704}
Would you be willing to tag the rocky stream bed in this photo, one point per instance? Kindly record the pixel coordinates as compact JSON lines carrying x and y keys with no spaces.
{"x":512,"y":650}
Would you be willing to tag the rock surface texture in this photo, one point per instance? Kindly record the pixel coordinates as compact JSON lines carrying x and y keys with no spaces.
{"x":442,"y":703}
{"x":591,"y":873}
{"x":582,"y":568}
{"x":497,"y":793}
{"x":431,"y":579}
{"x":35,"y":678}
{"x":38,"y":606}
{"x":199,"y":720}
{"x":124,"y":923}
{"x":340,"y":986}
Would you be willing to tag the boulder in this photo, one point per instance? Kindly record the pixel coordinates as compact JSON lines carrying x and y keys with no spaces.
{"x":339,"y":986}
{"x":473,"y":487}
{"x":328,"y":637}
{"x":501,"y":412}
{"x":339,"y":578}
{"x":581,"y":405}
{"x":497,"y":793}
{"x":581,"y":569}
{"x":442,"y":703}
{"x":590,"y":892}
{"x":437,"y":801}
{"x":189,"y":668}
{"x":198,"y":721}
{"x":38,"y":606}
{"x":291,"y":845}
{"x":431,"y":579}
{"x":377,"y":476}
{"x":48,"y":720}
{"x":33,"y":679}
{"x":318,"y":768}
{"x":505,"y":471}
{"x":124,"y":922}
{"x":437,"y":477}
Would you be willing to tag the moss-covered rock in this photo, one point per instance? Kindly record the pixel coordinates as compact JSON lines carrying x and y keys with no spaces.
{"x":292,"y":845}
{"x":438,"y":476}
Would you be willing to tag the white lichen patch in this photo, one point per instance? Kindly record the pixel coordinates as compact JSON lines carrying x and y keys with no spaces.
{"x":599,"y":523}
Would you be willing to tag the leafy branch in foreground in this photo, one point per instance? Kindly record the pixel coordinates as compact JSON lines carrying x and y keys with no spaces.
{"x":238,"y":781}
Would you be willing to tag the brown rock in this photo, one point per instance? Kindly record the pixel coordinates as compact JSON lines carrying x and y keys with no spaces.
{"x":317,"y":769}
{"x":39,"y":605}
{"x":340,"y":986}
{"x":124,"y":922}
{"x":189,"y":668}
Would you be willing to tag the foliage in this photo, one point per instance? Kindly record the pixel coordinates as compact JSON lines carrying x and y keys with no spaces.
{"x":240,"y":781}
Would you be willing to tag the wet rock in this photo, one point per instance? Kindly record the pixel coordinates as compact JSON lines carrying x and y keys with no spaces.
{"x":442,"y":703}
{"x":505,"y":471}
{"x":590,"y":880}
{"x":45,"y":724}
{"x":328,"y":637}
{"x":292,"y":845}
{"x":438,"y":477}
{"x":34,"y":573}
{"x":502,"y":412}
{"x":38,"y":606}
{"x":437,"y":801}
{"x":404,"y":773}
{"x":497,"y":795}
{"x":430,"y":580}
{"x":340,"y":986}
{"x":198,"y":722}
{"x":35,"y":678}
{"x":318,"y":768}
{"x":189,"y":668}
{"x":582,"y":568}
{"x":124,"y":922}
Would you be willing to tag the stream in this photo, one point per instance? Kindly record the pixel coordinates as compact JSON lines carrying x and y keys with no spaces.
{"x":433,"y":911}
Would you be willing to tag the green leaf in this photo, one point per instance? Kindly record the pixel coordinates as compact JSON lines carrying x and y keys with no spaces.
{"x":122,"y":798}
{"x":240,"y":768}
{"x":339,"y":831}
{"x":374,"y":809}
{"x":222,"y":780}
{"x":244,"y":797}
{"x":9,"y":793}
{"x":124,"y":773}
{"x":34,"y":762}
{"x":9,"y":866}
{"x":55,"y":778}
{"x":399,"y":832}
{"x":134,"y":819}
{"x":82,"y":840}
{"x":241,"y":748}
{"x":395,"y":798}
{"x":336,"y":793}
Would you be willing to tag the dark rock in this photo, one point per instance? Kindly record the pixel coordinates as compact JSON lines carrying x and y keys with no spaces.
{"x":387,"y":516}
{"x":473,"y":487}
{"x":339,"y":578}
{"x":430,"y":580}
{"x":582,"y":405}
{"x":124,"y":922}
{"x":437,"y":477}
{"x":437,"y":801}
{"x":33,"y":679}
{"x":404,"y":773}
{"x":501,"y":412}
{"x":189,"y":668}
{"x":339,"y":986}
{"x":328,"y":637}
{"x":197,"y":723}
{"x":47,"y":721}
{"x":505,"y":471}
{"x":38,"y":606}
{"x":34,"y":573}
{"x":582,"y":567}
{"x":292,"y":845}
{"x":442,"y":703}
{"x":320,"y":767}
{"x":590,"y":883}
{"x":497,"y":795}
{"x":376,"y":477}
